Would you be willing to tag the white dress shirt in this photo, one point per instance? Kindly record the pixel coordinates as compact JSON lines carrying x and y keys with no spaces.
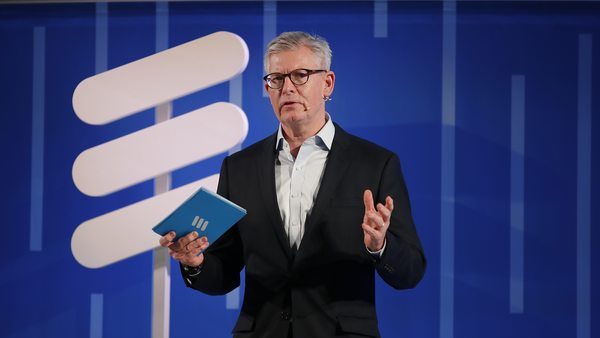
{"x":297,"y":181}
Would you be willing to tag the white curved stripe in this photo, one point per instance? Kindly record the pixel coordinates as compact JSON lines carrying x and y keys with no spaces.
{"x":159,"y":78}
{"x":158,"y":149}
{"x":126,"y":232}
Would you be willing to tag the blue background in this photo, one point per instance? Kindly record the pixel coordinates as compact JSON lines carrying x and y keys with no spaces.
{"x":388,"y":90}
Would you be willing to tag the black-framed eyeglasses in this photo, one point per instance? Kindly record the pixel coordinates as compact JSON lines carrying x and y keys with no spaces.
{"x":297,"y":76}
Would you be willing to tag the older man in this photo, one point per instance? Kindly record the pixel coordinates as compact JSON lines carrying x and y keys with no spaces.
{"x":325,"y":211}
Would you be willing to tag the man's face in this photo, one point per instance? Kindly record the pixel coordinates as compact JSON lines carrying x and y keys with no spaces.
{"x":299,"y":105}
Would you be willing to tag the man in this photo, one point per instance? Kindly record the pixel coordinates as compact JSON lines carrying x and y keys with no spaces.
{"x":314,"y":235}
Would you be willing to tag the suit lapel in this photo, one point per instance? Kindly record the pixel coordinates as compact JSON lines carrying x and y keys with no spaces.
{"x":337,"y":163}
{"x":266,"y":174}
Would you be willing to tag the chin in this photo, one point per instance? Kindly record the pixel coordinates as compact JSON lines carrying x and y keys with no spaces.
{"x":292,"y":115}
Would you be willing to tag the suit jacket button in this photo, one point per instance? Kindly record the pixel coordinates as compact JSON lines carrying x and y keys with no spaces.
{"x":285,"y":315}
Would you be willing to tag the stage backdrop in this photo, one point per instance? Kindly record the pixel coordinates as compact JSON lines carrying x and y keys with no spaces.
{"x":488,"y":104}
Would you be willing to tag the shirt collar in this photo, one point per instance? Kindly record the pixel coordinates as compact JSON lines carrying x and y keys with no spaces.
{"x":324,"y":138}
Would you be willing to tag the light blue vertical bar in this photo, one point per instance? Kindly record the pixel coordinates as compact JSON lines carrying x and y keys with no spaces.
{"x":584,"y":179}
{"x":517,"y":193}
{"x":269,"y":21}
{"x":96,"y":299}
{"x":232,"y":299}
{"x":96,"y":313}
{"x":101,"y":37}
{"x":235,"y":97}
{"x":37,"y":139}
{"x":235,"y":90}
{"x":269,"y":26}
{"x":161,"y":261}
{"x":162,"y":25}
{"x":448,"y":170}
{"x":380,"y":20}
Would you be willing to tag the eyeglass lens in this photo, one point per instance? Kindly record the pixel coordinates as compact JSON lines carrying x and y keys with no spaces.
{"x":298,"y":77}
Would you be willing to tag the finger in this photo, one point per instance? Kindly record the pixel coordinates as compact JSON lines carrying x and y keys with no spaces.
{"x":368,"y":200}
{"x":167,"y":239}
{"x":375,"y":220}
{"x":204,"y":240}
{"x":201,"y":242}
{"x":384,"y":212}
{"x":373,"y":233}
{"x":177,"y":255}
{"x":195,"y":243}
{"x":193,"y":253}
{"x":190,"y":247}
{"x":202,"y":245}
{"x":180,"y":257}
{"x":389,"y":204}
{"x":183,"y":241}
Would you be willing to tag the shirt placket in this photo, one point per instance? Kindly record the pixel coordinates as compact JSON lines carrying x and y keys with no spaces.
{"x":295,"y":207}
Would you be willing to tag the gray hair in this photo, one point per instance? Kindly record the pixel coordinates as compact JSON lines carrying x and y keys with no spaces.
{"x":293,"y":40}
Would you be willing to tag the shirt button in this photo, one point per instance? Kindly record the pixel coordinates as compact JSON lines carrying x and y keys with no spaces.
{"x":285,"y":315}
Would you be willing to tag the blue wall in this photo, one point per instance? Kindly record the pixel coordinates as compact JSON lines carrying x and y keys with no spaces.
{"x":510,"y":80}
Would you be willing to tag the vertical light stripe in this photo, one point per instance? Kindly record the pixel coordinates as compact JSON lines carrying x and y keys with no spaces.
{"x":162,"y":25}
{"x":380,"y":20}
{"x":164,"y":111}
{"x":233,"y":299}
{"x":584,"y":178}
{"x":96,"y":312}
{"x":448,"y":170}
{"x":101,"y":37}
{"x":269,"y":27}
{"x":269,"y":21}
{"x":97,"y":299}
{"x":37,"y":139}
{"x":161,"y":292}
{"x":517,"y":193}
{"x":449,"y":63}
{"x":235,"y":97}
{"x":235,"y":90}
{"x":161,"y":260}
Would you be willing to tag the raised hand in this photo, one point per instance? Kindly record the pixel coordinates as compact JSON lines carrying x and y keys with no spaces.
{"x":376,"y":221}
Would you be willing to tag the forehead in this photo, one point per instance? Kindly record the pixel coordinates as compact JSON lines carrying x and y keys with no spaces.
{"x":286,"y":61}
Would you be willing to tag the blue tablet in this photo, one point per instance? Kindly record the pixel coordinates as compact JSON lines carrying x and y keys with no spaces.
{"x":205,"y":212}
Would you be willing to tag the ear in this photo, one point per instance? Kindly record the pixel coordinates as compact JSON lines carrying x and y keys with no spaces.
{"x":329,"y":83}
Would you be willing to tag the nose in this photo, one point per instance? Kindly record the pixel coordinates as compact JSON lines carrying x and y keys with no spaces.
{"x":288,"y":86}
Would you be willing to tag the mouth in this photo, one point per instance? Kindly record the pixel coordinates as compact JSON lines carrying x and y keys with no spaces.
{"x":288,"y":104}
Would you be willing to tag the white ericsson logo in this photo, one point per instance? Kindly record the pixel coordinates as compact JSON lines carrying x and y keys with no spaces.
{"x":200,"y":223}
{"x":158,"y":149}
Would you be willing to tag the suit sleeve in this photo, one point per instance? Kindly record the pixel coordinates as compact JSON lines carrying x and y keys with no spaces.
{"x":403,"y":262}
{"x":223,"y":260}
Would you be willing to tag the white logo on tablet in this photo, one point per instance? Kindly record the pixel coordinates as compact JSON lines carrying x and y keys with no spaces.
{"x":199,"y":223}
{"x":156,"y":150}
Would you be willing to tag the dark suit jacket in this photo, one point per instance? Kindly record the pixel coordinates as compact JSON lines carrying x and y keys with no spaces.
{"x":328,"y":288}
